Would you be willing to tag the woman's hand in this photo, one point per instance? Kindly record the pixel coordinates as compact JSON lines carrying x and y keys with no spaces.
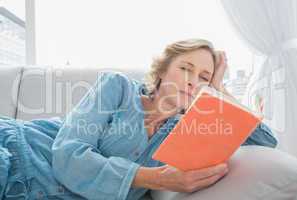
{"x":176,"y":180}
{"x":219,"y":71}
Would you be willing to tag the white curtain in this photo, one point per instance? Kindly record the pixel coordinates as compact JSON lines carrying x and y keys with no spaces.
{"x":269,"y":27}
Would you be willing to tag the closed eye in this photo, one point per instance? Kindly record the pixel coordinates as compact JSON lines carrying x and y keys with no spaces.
{"x":183,"y":68}
{"x":205,"y":79}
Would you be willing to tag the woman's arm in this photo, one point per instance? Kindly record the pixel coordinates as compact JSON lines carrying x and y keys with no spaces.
{"x":147,"y":177}
{"x":77,"y":160}
{"x":262,"y":136}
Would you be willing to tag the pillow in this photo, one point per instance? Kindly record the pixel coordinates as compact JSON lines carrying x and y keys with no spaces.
{"x":255,"y":172}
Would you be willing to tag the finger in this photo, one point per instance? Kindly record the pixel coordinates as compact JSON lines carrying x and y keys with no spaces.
{"x":223,"y":53}
{"x":221,"y":60}
{"x":208,"y":181}
{"x":220,"y":57}
{"x":207,"y":172}
{"x":220,"y":173}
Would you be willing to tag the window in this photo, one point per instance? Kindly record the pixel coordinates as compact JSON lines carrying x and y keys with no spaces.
{"x":128,"y":34}
{"x":12,"y":32}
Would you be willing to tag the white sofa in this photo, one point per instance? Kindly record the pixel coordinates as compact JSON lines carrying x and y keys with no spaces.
{"x":42,"y":91}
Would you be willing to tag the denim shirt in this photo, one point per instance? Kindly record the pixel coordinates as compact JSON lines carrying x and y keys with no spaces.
{"x":103,"y":141}
{"x":96,"y":150}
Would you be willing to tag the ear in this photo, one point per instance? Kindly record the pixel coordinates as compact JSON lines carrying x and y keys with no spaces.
{"x":162,"y":75}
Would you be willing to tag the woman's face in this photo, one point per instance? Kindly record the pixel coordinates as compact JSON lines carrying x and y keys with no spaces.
{"x":185,"y":76}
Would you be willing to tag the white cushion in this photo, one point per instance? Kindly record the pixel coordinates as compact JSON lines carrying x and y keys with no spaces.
{"x":48,"y":91}
{"x":255,"y":172}
{"x":9,"y":87}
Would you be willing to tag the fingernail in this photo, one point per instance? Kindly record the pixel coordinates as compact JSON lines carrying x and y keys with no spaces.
{"x":221,"y":168}
{"x":226,"y":170}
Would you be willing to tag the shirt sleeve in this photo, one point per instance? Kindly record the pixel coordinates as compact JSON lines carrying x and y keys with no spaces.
{"x":262,"y":136}
{"x":77,"y":160}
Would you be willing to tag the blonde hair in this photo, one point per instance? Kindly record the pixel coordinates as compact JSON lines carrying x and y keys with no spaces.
{"x":161,"y":63}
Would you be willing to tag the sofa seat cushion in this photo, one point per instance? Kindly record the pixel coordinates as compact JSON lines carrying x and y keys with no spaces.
{"x":255,"y":173}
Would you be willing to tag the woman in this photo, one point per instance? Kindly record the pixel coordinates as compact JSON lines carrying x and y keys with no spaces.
{"x":103,"y":148}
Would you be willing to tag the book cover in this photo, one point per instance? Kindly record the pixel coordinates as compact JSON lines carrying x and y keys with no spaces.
{"x":210,"y":131}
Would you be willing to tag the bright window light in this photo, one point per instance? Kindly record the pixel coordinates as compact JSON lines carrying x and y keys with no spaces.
{"x":127,"y":34}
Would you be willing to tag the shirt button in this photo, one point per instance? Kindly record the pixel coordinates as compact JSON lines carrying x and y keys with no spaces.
{"x":136,"y":153}
{"x":60,"y":189}
{"x":40,"y":194}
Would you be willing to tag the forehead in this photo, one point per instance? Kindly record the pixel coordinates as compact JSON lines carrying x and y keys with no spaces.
{"x":200,"y":58}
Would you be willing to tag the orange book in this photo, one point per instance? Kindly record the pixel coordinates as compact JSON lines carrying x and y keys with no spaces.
{"x":210,"y":131}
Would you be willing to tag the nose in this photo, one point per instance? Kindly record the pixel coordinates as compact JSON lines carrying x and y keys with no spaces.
{"x":191,"y":85}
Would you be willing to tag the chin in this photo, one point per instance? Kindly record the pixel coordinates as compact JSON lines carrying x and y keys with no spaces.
{"x":183,"y":106}
{"x":185,"y":103}
{"x":183,"y":111}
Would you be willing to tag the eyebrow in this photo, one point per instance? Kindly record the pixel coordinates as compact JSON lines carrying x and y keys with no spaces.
{"x":192,"y":65}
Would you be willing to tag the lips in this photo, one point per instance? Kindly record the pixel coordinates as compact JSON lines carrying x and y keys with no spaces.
{"x":186,"y":93}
